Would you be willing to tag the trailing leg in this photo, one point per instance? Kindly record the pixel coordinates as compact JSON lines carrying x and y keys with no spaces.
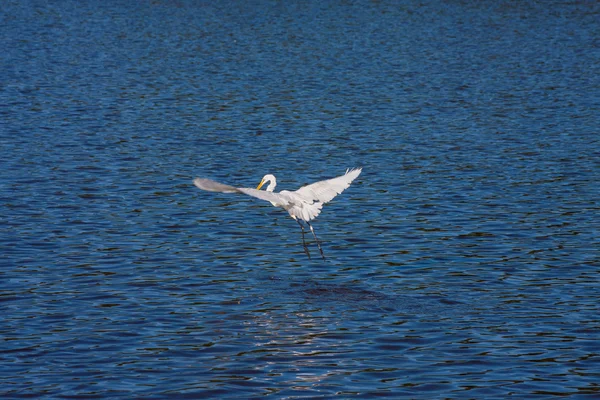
{"x":303,"y":241}
{"x":316,"y":239}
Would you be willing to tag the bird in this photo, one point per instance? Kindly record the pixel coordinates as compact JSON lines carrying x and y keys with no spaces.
{"x":303,"y":205}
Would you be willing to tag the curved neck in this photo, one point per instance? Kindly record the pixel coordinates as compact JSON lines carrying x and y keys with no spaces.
{"x":272,"y":182}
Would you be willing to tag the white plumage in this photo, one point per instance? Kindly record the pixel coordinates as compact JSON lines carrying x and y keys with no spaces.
{"x":304,"y":204}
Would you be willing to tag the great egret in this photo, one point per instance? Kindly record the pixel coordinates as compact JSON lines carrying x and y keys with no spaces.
{"x":303,"y":205}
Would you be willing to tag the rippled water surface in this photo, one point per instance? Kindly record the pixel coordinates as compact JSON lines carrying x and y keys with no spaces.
{"x":463,"y":262}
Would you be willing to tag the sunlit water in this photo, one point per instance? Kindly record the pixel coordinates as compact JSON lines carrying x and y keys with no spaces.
{"x":462,"y":263}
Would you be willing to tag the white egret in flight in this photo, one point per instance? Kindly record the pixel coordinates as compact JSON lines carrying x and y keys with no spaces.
{"x":303,"y":205}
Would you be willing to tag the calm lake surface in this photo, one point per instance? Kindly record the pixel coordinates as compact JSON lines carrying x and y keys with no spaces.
{"x":463,"y":263}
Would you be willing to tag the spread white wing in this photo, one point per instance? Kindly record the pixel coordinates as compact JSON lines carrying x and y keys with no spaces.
{"x":212,"y":186}
{"x":280,"y":199}
{"x":325,"y":191}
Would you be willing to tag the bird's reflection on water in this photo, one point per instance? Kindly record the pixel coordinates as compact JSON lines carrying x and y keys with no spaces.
{"x":353,"y":296}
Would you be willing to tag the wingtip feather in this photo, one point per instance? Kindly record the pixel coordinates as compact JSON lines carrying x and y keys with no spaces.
{"x":356,"y":170}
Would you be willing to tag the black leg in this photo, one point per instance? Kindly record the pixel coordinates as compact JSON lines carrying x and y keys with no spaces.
{"x":303,"y":241}
{"x":317,"y":240}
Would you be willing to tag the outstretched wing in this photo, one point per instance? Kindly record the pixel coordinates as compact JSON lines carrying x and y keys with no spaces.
{"x":280,"y":199}
{"x":325,"y":191}
{"x":277,"y":199}
{"x":212,"y":186}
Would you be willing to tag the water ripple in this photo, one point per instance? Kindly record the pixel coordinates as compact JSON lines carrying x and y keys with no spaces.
{"x":462,"y":263}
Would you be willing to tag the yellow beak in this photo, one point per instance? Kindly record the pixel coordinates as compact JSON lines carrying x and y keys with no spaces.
{"x":262,"y":182}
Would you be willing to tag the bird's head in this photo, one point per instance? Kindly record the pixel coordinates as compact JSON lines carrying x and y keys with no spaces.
{"x":268,"y":178}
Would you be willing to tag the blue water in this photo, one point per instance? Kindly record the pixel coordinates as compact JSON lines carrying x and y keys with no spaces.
{"x":463,"y":263}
